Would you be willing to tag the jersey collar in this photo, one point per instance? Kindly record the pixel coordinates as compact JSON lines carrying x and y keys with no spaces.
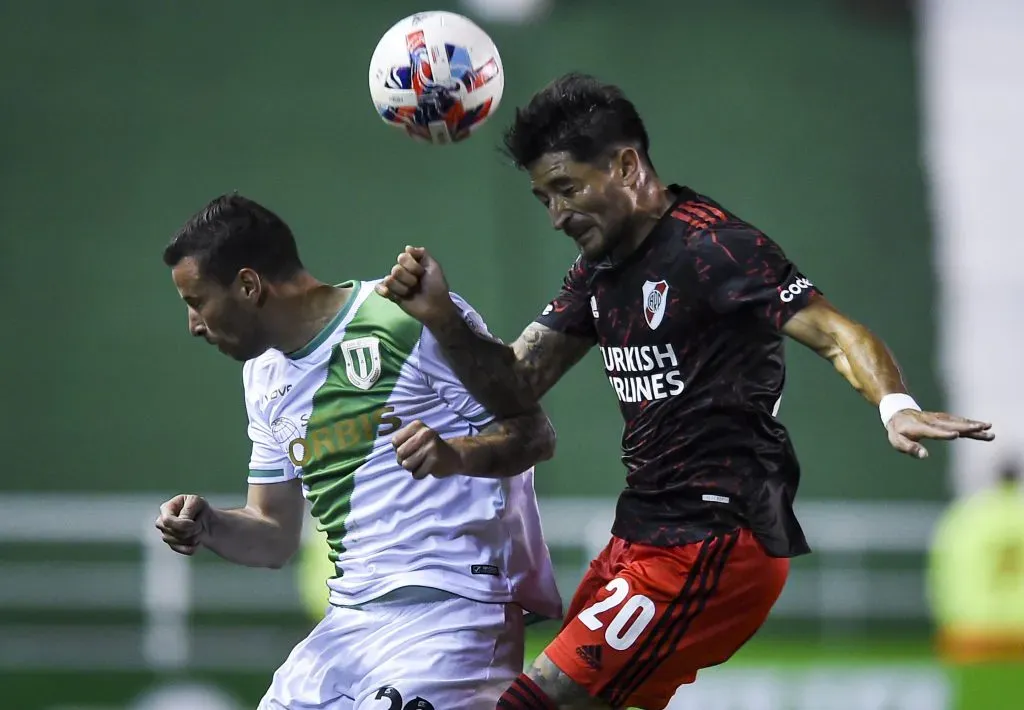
{"x":662,"y":227}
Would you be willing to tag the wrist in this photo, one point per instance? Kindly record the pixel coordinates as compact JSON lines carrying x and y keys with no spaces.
{"x":206,"y":521}
{"x":444,"y":317}
{"x":462,"y":448}
{"x":895,"y":402}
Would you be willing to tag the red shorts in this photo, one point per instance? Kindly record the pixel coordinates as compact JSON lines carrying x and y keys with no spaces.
{"x":645,"y":619}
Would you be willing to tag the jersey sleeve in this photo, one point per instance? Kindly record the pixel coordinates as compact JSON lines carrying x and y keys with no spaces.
{"x":742,"y":269}
{"x":570,"y":312}
{"x":269,"y":461}
{"x":442,"y":379}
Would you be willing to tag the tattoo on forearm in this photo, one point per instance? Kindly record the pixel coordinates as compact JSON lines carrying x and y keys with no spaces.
{"x":487,"y":368}
{"x":508,"y":447}
{"x":509,"y":381}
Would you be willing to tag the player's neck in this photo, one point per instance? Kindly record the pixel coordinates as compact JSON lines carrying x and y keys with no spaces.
{"x":302,"y":308}
{"x":653,"y":200}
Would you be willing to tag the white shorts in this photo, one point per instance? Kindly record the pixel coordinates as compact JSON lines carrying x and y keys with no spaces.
{"x":420,"y":649}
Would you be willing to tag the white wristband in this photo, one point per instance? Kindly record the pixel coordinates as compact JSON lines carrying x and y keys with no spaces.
{"x":895,"y":402}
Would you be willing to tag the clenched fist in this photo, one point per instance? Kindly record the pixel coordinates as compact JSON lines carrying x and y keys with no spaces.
{"x":417,"y":284}
{"x":182,"y":521}
{"x":421,"y":451}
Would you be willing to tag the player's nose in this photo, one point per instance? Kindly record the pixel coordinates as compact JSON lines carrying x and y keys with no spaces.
{"x":196,"y":327}
{"x":559,"y":218}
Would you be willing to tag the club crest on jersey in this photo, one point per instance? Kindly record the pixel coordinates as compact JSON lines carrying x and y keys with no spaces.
{"x":655,"y":299}
{"x":362,"y":361}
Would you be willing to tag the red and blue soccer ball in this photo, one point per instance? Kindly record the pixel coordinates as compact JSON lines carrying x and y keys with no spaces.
{"x":436,"y":75}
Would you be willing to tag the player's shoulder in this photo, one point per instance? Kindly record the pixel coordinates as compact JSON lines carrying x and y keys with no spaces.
{"x":259,"y":372}
{"x":579,"y":271}
{"x":707,"y":224}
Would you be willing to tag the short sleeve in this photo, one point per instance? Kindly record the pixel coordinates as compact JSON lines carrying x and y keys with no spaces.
{"x":269,"y":461}
{"x":742,"y":269}
{"x":571,"y":311}
{"x":441,"y":378}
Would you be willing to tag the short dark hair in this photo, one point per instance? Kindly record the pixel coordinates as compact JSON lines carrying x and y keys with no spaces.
{"x":578,"y":114}
{"x":232,"y":233}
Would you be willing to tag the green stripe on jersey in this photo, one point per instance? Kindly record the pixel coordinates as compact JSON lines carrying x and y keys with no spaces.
{"x":350,"y":410}
{"x":266,"y":473}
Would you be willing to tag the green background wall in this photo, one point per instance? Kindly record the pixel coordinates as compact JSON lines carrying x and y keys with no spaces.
{"x":119,"y":119}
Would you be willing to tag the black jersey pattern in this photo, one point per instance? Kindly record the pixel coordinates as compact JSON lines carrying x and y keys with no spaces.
{"x":689,"y":329}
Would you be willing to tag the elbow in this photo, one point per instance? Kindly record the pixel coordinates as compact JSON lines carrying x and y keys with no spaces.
{"x":280,"y":554}
{"x":281,"y":557}
{"x":546,"y":440}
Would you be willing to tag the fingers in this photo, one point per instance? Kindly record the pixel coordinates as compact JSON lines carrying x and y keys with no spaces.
{"x":179,"y":532}
{"x":961,"y":426}
{"x":907,"y":446}
{"x":193,"y":508}
{"x":405,"y":274}
{"x":414,"y":452}
{"x":978,"y":435}
{"x":400,"y":283}
{"x":400,"y":437}
{"x":410,"y":261}
{"x":422,"y":438}
{"x":182,"y":544}
{"x":962,"y":421}
{"x":922,"y":430}
{"x":908,"y":427}
{"x":416,"y":449}
{"x":172,"y":507}
{"x":419,"y":463}
{"x":180,"y":528}
{"x":939,"y":425}
{"x":425,"y":467}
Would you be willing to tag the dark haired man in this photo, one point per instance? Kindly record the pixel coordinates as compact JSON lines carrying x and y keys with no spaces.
{"x":426,"y":606}
{"x":688,"y":304}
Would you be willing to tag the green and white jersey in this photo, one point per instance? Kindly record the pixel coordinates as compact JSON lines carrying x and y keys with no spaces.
{"x":326,"y":414}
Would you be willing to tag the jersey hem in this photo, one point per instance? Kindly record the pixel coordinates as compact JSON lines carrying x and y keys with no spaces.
{"x":484,"y":596}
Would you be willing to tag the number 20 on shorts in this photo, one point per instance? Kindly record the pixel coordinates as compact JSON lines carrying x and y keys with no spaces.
{"x":628,"y":623}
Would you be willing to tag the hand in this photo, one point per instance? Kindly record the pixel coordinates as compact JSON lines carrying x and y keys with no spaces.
{"x":421,"y":451}
{"x":183,"y":522}
{"x":418,"y":286}
{"x":908,"y":426}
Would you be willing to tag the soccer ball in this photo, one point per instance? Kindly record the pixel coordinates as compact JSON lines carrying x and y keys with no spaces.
{"x":436,"y":75}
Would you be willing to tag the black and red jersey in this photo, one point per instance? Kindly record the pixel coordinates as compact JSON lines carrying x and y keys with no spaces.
{"x":689,"y":329}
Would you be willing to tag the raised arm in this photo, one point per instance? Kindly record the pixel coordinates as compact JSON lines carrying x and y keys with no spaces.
{"x":508,"y":381}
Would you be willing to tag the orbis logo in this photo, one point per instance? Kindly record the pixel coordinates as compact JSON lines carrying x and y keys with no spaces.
{"x":795,"y":289}
{"x":340,"y":436}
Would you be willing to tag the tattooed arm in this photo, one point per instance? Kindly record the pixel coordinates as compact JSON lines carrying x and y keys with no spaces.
{"x":508,"y":381}
{"x":505,"y":447}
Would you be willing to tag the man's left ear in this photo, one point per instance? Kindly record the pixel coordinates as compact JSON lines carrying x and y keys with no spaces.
{"x":250,"y":286}
{"x":628,"y":166}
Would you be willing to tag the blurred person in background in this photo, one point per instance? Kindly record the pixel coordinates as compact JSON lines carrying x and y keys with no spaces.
{"x":976,"y":573}
{"x":431,"y":578}
{"x":688,"y":304}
